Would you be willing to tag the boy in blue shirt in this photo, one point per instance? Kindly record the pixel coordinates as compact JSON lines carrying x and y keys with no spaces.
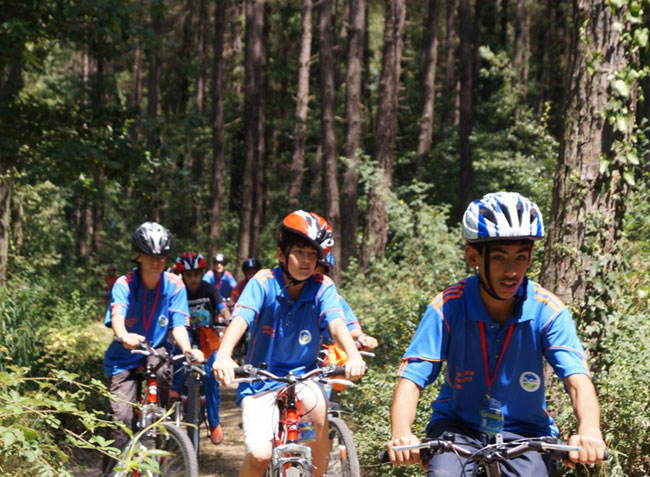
{"x":220,"y":277}
{"x":287,"y":308}
{"x":146,"y":304}
{"x":493,"y":329}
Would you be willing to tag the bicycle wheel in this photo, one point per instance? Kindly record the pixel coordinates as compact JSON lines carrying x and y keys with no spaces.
{"x":342,"y":460}
{"x":167,"y":452}
{"x":193,"y":411}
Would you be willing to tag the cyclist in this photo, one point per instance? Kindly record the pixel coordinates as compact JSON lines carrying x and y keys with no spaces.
{"x":220,"y":277}
{"x":288,"y":309}
{"x":145,"y":304}
{"x":109,"y":280}
{"x":206,"y":308}
{"x":493,"y":329}
{"x":250,"y":267}
{"x":367,"y":342}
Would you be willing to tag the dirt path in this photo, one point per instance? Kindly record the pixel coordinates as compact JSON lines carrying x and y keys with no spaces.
{"x":223,"y":460}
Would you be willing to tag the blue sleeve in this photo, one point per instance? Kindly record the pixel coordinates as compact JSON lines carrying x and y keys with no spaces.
{"x":178,"y":308}
{"x":209,"y":277}
{"x":562,"y":347}
{"x":428,"y":349}
{"x":351,"y":320}
{"x":329,"y":306}
{"x":250,"y":302}
{"x":232,"y":282}
{"x":120,"y":294}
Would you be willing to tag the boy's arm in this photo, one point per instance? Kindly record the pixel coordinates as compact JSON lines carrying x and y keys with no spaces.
{"x":183,"y":341}
{"x":129,"y":340}
{"x":355,"y":367}
{"x":402,"y":415}
{"x":224,"y":366}
{"x":587,"y":411}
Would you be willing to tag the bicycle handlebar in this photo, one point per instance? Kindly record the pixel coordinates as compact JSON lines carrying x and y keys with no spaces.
{"x":248,"y":371}
{"x":493,"y":452}
{"x":147,"y":349}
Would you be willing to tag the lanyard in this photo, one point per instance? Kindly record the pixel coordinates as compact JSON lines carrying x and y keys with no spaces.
{"x":147,"y":322}
{"x":489,"y":380}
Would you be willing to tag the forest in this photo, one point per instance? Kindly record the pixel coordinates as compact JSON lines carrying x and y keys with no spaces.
{"x":216,"y":118}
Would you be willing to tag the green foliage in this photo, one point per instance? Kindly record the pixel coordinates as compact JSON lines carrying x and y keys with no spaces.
{"x":32,"y":416}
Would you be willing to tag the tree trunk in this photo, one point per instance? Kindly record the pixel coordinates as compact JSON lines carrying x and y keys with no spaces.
{"x":450,"y":90}
{"x":184,"y":55}
{"x":588,"y":205}
{"x":260,"y":152}
{"x":235,"y":25}
{"x":466,"y":184}
{"x":6,"y":186}
{"x":85,"y":227}
{"x":98,"y":213}
{"x":252,"y":86}
{"x":353,"y":129}
{"x":376,"y":229}
{"x":136,"y":85}
{"x":522,"y":42}
{"x":429,"y":86}
{"x":200,"y":54}
{"x":17,"y":218}
{"x":302,"y":108}
{"x":547,"y":41}
{"x":218,"y":150}
{"x":153,"y":100}
{"x":328,"y":127}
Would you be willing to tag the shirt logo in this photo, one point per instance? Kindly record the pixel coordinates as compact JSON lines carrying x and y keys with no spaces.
{"x":530,"y":381}
{"x":162,"y":321}
{"x":304,"y":337}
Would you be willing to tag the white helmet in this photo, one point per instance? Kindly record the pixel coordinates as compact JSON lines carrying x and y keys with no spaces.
{"x":502,"y":216}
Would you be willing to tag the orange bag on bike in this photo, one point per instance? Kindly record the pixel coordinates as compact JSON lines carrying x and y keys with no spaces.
{"x":337,"y":356}
{"x":208,"y":341}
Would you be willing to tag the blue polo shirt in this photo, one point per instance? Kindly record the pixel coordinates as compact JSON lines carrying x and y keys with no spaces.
{"x":451,"y":331}
{"x":225,"y":284}
{"x":285,"y":334}
{"x":351,"y":320}
{"x":150,"y":313}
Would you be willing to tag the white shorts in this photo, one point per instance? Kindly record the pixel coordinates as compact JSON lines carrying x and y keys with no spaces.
{"x":260,"y":413}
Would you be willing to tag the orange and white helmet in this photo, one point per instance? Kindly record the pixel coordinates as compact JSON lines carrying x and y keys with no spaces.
{"x":312,"y":227}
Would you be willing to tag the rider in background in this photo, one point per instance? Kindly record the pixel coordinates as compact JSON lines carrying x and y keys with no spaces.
{"x":288,"y":309}
{"x":250,"y":267}
{"x":367,"y":342}
{"x":220,"y":277}
{"x":493,"y":329}
{"x":145,"y":305}
{"x":206,"y":308}
{"x":109,"y":280}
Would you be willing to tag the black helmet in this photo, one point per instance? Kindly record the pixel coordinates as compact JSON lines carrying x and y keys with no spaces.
{"x":152,"y":238}
{"x":251,"y":264}
{"x":219,"y":258}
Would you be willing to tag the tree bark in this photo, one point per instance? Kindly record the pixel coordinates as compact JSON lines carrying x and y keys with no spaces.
{"x":302,"y":107}
{"x":429,"y":85}
{"x":376,"y":228}
{"x":353,"y":130}
{"x":235,"y":25}
{"x":200,"y":53}
{"x":328,"y":127}
{"x":588,"y":205}
{"x":450,"y":84}
{"x":98,"y":213}
{"x":218,"y":132}
{"x":466,"y":184}
{"x":522,"y":42}
{"x":6,"y":187}
{"x":547,"y":47}
{"x":252,"y":86}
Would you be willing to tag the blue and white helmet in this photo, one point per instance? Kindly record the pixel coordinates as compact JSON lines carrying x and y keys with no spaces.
{"x":502,"y":216}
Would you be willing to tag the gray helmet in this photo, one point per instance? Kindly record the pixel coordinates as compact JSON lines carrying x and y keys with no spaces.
{"x":152,"y":238}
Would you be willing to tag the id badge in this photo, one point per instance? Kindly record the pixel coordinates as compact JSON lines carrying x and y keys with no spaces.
{"x":492,"y":417}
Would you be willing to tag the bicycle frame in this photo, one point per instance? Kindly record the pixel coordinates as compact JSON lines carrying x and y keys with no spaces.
{"x":287,"y":451}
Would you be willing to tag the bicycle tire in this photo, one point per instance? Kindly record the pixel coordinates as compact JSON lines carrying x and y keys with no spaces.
{"x":193,"y":411}
{"x":181,"y":463}
{"x":342,"y":460}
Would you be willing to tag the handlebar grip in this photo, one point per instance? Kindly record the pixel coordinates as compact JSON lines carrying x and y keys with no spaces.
{"x":382,"y":457}
{"x":243,"y":371}
{"x":338,"y":369}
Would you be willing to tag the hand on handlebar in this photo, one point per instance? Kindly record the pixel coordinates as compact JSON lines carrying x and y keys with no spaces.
{"x":355,"y":369}
{"x":403,"y":457}
{"x":367,"y":342}
{"x":196,"y":355}
{"x":131,"y":340}
{"x":592,"y":449}
{"x":224,"y":369}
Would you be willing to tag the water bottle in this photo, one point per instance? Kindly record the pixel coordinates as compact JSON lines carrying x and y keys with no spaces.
{"x":306,"y":430}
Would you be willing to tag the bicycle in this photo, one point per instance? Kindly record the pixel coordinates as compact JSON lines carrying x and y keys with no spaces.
{"x":291,"y":458}
{"x":490,"y":457}
{"x":343,"y":459}
{"x":193,"y":402}
{"x":160,"y":446}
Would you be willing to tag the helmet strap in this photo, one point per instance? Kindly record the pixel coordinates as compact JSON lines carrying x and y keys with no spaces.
{"x":485,"y":281}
